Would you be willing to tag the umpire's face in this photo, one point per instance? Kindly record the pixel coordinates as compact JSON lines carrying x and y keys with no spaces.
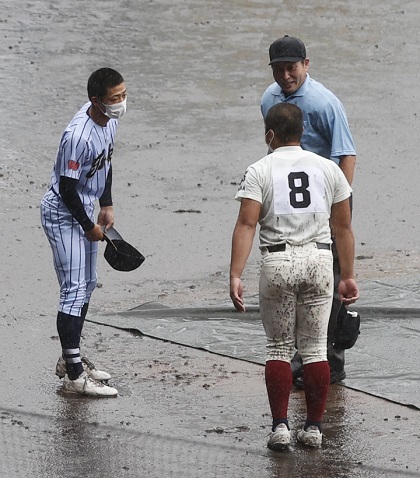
{"x":290,"y":76}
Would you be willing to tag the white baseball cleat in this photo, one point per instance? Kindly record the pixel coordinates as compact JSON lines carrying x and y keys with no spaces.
{"x":88,"y":366}
{"x":280,"y":438}
{"x":85,"y":385}
{"x":310,"y":437}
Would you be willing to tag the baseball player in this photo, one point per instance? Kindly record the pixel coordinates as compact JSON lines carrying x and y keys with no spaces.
{"x":292,"y":194}
{"x":327,"y":133}
{"x":82,"y":174}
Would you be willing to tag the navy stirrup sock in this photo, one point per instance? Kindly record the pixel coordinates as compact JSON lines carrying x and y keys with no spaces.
{"x":69,"y":329}
{"x":277,"y":421}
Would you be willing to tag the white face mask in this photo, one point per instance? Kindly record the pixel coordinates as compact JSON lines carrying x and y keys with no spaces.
{"x":116,"y":110}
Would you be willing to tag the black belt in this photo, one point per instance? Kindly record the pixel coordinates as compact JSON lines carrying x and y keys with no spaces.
{"x":282,"y":247}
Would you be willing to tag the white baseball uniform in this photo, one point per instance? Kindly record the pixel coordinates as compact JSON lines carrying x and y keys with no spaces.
{"x":84,"y":154}
{"x":296,"y":189}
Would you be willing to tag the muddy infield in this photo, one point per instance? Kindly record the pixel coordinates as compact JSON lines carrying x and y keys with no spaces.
{"x":195,"y":72}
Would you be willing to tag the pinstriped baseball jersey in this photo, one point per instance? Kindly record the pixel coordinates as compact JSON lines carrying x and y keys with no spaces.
{"x":85,"y":153}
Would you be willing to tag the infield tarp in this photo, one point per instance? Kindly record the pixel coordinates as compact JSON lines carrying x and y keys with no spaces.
{"x":384,"y":362}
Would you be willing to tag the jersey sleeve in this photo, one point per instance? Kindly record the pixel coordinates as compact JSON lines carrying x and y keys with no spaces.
{"x":342,"y":143}
{"x":72,"y":153}
{"x":250,"y":187}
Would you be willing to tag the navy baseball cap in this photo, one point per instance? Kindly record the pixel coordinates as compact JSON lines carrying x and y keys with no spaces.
{"x":287,"y":49}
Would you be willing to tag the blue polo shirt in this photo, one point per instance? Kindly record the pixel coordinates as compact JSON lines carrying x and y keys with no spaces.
{"x":326,"y":130}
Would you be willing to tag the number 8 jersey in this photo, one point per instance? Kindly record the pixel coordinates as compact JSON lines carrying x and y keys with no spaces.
{"x":296,"y":189}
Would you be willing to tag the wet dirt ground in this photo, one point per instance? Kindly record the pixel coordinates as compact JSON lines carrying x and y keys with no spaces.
{"x":195,"y":72}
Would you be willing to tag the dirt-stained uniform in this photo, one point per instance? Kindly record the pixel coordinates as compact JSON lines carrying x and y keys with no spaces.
{"x":296,"y":189}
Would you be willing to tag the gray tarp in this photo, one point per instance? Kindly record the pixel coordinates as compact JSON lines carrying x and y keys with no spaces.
{"x":385,"y":361}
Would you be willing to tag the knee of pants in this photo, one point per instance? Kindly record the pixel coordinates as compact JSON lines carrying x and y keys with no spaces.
{"x":316,"y":352}
{"x":279,"y":351}
{"x":72,"y":299}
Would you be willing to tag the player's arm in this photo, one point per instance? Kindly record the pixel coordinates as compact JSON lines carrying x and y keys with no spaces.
{"x":347,"y":165}
{"x":106,"y":214}
{"x":242,"y":239}
{"x":344,"y":240}
{"x":71,"y":199}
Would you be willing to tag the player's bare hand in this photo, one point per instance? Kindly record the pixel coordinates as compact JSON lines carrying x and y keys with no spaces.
{"x":236,"y":294}
{"x":106,"y":217}
{"x":95,"y":234}
{"x":348,"y":291}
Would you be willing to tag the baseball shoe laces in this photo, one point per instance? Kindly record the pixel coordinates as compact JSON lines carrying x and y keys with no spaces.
{"x":310,"y":437}
{"x":88,"y":367}
{"x":85,"y":385}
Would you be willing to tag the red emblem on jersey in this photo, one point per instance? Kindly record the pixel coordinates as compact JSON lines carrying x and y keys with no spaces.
{"x":74,"y":165}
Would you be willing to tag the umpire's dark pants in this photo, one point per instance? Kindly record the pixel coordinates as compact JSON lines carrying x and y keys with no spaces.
{"x":335,"y":356}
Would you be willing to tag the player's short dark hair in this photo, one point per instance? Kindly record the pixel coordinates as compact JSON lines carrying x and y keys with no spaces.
{"x":286,"y":120}
{"x":102,"y":79}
